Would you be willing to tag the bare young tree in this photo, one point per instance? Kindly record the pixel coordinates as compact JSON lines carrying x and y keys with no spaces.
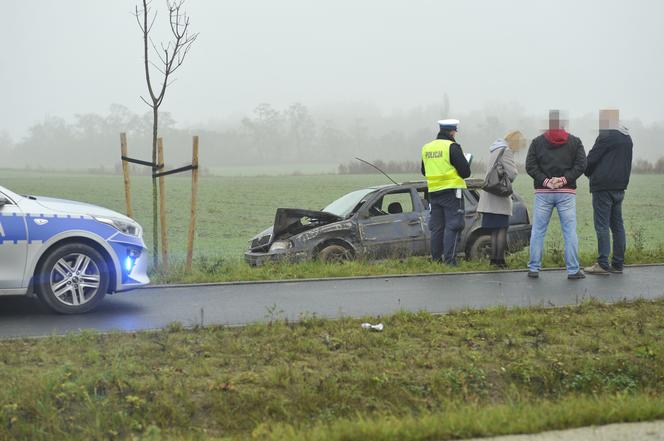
{"x":170,"y":57}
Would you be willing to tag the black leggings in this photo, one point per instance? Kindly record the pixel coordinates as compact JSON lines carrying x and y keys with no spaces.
{"x":498,"y":244}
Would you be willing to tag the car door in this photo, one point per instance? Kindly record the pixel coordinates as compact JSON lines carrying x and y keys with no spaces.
{"x":392,"y":225}
{"x":423,"y":197}
{"x":470,"y":201}
{"x":13,"y":244}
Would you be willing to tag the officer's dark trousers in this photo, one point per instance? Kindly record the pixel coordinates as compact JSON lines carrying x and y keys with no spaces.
{"x":607,"y":210}
{"x":446,"y":224}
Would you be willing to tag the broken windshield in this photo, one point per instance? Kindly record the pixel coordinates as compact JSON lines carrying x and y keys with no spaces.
{"x":345,"y":205}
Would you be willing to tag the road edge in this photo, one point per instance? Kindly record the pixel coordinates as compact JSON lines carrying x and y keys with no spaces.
{"x":385,"y":276}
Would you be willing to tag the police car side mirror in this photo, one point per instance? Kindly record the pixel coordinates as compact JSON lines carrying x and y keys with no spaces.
{"x":3,"y":201}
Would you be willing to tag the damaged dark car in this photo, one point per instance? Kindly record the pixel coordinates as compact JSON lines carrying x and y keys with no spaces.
{"x":375,"y":223}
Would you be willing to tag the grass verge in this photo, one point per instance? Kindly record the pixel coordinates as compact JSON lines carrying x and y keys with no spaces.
{"x":208,"y":270}
{"x":426,"y":377}
{"x":475,"y":420}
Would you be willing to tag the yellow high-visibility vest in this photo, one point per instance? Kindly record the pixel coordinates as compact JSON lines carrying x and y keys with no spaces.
{"x":439,"y":171}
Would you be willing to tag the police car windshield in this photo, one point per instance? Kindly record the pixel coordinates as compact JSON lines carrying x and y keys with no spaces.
{"x":344,"y":206}
{"x":9,"y":194}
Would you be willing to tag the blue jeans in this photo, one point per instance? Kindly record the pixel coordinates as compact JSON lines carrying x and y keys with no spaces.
{"x":607,"y":210}
{"x":565,"y":203}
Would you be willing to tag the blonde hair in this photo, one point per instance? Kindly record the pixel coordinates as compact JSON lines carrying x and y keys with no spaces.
{"x":515,"y":140}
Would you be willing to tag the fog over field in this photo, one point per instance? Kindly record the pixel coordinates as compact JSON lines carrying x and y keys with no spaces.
{"x":303,"y":82}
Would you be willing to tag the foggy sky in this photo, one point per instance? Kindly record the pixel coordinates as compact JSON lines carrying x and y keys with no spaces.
{"x":78,"y":56}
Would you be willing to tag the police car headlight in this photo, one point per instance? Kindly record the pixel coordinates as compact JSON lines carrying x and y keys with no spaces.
{"x":281,"y":245}
{"x":128,"y":228}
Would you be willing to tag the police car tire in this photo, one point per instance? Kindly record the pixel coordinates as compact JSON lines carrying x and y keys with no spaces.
{"x":477,"y":249}
{"x":334,"y":253}
{"x":43,"y":285}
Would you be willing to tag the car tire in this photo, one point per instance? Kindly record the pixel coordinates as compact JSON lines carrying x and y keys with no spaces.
{"x":480,"y":248}
{"x":335,"y":253}
{"x":72,"y":279}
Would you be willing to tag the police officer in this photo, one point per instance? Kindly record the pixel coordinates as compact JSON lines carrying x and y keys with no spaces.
{"x":445,"y":167}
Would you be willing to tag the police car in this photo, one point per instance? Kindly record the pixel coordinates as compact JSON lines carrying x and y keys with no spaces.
{"x":69,"y":253}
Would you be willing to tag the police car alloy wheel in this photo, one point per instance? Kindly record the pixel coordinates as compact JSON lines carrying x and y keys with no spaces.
{"x":73,"y":279}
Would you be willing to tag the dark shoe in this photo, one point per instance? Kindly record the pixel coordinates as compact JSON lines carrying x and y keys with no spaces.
{"x":533,"y":274}
{"x":614,"y":270}
{"x":597,"y":269}
{"x":576,"y":276}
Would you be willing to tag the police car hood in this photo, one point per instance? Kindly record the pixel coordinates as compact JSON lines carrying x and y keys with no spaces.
{"x":78,"y":208}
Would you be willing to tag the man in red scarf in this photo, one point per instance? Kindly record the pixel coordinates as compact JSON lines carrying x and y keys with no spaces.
{"x":556,"y":159}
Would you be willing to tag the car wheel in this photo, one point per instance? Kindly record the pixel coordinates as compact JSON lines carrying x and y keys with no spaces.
{"x":480,"y":248}
{"x":72,"y":279}
{"x":335,"y":253}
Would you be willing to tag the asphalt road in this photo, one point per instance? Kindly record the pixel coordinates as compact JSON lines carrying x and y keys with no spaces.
{"x":237,"y":304}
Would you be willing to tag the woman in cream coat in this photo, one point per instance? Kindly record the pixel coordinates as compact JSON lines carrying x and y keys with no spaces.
{"x":496,"y":210}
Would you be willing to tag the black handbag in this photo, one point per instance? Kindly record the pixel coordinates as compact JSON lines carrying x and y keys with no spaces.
{"x":496,"y":181}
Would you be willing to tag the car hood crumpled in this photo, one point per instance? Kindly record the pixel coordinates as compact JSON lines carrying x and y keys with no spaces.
{"x":288,"y":222}
{"x":293,"y":221}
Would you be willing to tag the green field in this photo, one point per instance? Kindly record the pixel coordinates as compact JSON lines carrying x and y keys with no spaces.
{"x":234,"y":208}
{"x":424,"y":378}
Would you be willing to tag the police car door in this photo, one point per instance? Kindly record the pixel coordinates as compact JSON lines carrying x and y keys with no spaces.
{"x":13,"y":244}
{"x":391,"y":225}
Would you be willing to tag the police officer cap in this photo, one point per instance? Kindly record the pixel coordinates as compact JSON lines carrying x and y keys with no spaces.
{"x":448,"y":124}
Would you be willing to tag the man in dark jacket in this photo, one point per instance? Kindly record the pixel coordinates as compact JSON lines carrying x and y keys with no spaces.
{"x":555,"y":160}
{"x":609,"y":168}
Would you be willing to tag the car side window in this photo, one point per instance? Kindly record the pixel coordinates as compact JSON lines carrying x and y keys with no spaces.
{"x":393,"y":203}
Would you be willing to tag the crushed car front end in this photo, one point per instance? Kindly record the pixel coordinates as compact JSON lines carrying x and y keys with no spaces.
{"x":296,"y":236}
{"x":262,"y":249}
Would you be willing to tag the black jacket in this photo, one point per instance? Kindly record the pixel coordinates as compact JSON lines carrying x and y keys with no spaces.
{"x":457,"y":158}
{"x":546,"y":160}
{"x":610,"y":161}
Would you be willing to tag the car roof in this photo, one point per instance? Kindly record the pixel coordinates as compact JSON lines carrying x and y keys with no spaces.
{"x":472,"y":183}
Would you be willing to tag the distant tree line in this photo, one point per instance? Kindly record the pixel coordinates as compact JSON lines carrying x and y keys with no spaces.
{"x":407,"y":167}
{"x":642,"y":166}
{"x":360,"y":168}
{"x":292,"y":135}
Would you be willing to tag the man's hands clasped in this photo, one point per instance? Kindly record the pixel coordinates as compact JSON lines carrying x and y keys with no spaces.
{"x":555,"y":183}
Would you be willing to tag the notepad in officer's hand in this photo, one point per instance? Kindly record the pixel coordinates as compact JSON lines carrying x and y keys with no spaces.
{"x":469,"y":157}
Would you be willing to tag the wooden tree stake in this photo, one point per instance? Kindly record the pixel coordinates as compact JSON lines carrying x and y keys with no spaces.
{"x":162,"y":206}
{"x":125,"y":172}
{"x":194,"y":192}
